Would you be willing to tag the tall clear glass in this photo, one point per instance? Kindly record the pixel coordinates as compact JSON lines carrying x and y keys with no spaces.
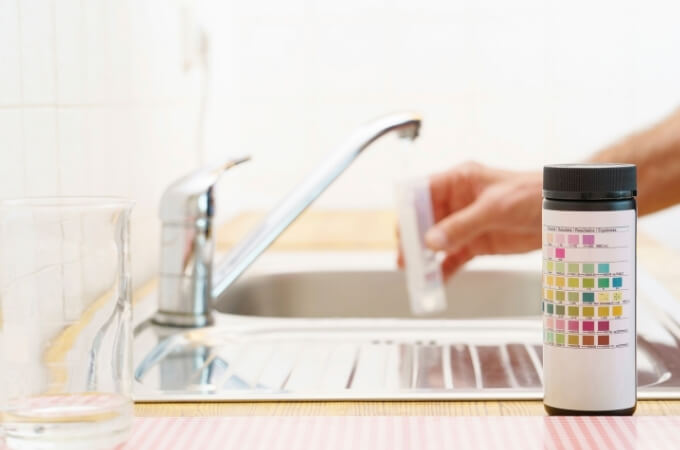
{"x":65,"y":322}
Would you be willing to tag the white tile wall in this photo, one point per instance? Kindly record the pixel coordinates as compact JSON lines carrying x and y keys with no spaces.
{"x":94,"y":97}
{"x":10,"y":75}
{"x":12,"y":166}
{"x":74,"y":153}
{"x":511,"y":83}
{"x":94,"y":101}
{"x":70,"y":45}
{"x":37,"y":50}
{"x":39,"y":129}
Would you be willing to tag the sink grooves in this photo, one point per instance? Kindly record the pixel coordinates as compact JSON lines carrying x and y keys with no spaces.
{"x":462,"y":370}
{"x":324,"y":366}
{"x":493,"y":368}
{"x":340,"y":368}
{"x":430,"y":369}
{"x":524,"y":371}
{"x":308,"y":369}
{"x":279,"y":369}
{"x":483,"y":361}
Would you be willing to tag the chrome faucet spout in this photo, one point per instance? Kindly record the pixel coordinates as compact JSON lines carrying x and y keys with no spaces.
{"x":251,"y":246}
{"x":202,"y":284}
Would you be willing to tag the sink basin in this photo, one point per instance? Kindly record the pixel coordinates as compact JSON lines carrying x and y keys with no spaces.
{"x":471,"y":294}
{"x":338,"y":326}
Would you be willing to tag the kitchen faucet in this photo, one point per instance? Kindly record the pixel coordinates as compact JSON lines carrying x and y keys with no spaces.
{"x":188,"y":283}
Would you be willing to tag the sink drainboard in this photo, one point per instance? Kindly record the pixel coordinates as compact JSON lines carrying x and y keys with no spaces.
{"x":351,"y":359}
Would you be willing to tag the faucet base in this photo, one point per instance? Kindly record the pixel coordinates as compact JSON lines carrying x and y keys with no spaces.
{"x":173,"y":319}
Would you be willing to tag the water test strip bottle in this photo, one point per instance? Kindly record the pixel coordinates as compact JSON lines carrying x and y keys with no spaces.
{"x":589,"y":289}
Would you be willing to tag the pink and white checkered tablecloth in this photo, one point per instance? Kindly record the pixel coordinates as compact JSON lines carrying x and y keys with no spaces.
{"x":424,"y":432}
{"x":398,"y":432}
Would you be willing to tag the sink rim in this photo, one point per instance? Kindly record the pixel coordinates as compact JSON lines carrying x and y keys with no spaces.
{"x":142,"y":392}
{"x":293,"y":262}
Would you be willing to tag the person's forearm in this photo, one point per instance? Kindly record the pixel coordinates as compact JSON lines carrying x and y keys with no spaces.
{"x":656,"y":152}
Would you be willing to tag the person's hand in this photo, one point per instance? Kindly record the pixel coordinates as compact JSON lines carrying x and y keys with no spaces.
{"x":479,"y":211}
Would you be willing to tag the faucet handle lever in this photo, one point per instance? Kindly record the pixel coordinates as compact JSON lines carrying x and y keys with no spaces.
{"x":190,"y":197}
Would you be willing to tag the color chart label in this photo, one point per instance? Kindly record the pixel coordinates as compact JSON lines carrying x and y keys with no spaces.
{"x":589,"y":309}
{"x":587,"y":288}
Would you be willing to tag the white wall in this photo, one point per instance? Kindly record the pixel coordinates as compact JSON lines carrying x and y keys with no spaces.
{"x":512,"y":83}
{"x":94,"y":101}
{"x":94,"y":97}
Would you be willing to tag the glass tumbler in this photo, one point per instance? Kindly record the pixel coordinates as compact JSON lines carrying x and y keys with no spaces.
{"x":65,"y":323}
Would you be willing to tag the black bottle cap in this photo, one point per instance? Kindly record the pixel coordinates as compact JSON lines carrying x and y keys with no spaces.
{"x":607,"y":181}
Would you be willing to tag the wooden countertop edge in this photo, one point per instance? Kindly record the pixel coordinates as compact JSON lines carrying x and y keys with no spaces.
{"x":376,"y":408}
{"x":374,"y":230}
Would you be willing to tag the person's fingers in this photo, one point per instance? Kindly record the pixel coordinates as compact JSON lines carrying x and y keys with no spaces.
{"x":455,"y":188}
{"x":400,"y":254}
{"x":490,"y":243}
{"x":440,"y":193}
{"x":456,"y":230}
{"x":453,"y":262}
{"x":495,"y":242}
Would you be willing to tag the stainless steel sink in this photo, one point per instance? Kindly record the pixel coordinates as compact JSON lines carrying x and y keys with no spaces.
{"x":338,"y":326}
{"x":381,"y":294}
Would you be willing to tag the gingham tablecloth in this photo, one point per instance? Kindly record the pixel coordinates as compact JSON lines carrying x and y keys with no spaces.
{"x":400,"y":432}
